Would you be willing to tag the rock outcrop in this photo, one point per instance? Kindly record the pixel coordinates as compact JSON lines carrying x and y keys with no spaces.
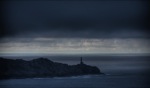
{"x":42,"y":67}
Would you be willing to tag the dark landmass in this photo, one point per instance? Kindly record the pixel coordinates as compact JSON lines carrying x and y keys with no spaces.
{"x":42,"y":67}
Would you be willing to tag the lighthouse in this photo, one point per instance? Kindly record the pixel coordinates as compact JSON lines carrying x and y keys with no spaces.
{"x":81,"y":62}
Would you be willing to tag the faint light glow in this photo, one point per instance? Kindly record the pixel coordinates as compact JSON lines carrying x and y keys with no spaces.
{"x":74,"y":45}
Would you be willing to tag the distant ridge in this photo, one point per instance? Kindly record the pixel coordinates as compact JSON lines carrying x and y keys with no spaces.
{"x":42,"y":67}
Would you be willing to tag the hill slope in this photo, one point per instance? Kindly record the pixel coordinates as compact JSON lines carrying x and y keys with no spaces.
{"x":42,"y":67}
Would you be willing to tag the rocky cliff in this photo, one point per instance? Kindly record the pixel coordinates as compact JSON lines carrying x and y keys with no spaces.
{"x":42,"y":67}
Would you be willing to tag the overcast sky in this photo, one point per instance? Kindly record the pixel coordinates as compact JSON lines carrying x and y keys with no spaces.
{"x":74,"y":27}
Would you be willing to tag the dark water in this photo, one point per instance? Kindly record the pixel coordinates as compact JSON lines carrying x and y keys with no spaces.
{"x":103,"y":81}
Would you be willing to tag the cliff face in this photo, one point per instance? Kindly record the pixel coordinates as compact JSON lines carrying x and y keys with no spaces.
{"x":42,"y":67}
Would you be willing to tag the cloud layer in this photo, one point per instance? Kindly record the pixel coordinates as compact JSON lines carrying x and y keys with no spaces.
{"x":85,"y":19}
{"x":76,"y":46}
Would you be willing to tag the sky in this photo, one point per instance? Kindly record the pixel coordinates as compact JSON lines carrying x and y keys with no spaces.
{"x":74,"y":27}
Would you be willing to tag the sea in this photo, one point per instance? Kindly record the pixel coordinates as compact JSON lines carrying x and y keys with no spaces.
{"x":119,"y":72}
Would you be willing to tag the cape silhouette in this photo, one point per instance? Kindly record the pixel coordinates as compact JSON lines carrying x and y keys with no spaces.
{"x":42,"y":67}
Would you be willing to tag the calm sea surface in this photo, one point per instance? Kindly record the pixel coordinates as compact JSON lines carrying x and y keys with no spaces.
{"x":105,"y":81}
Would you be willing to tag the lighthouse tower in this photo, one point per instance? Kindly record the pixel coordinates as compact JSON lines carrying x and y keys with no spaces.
{"x":81,"y":62}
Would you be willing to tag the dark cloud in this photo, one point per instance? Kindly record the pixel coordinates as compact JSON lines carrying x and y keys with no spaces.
{"x":98,"y":19}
